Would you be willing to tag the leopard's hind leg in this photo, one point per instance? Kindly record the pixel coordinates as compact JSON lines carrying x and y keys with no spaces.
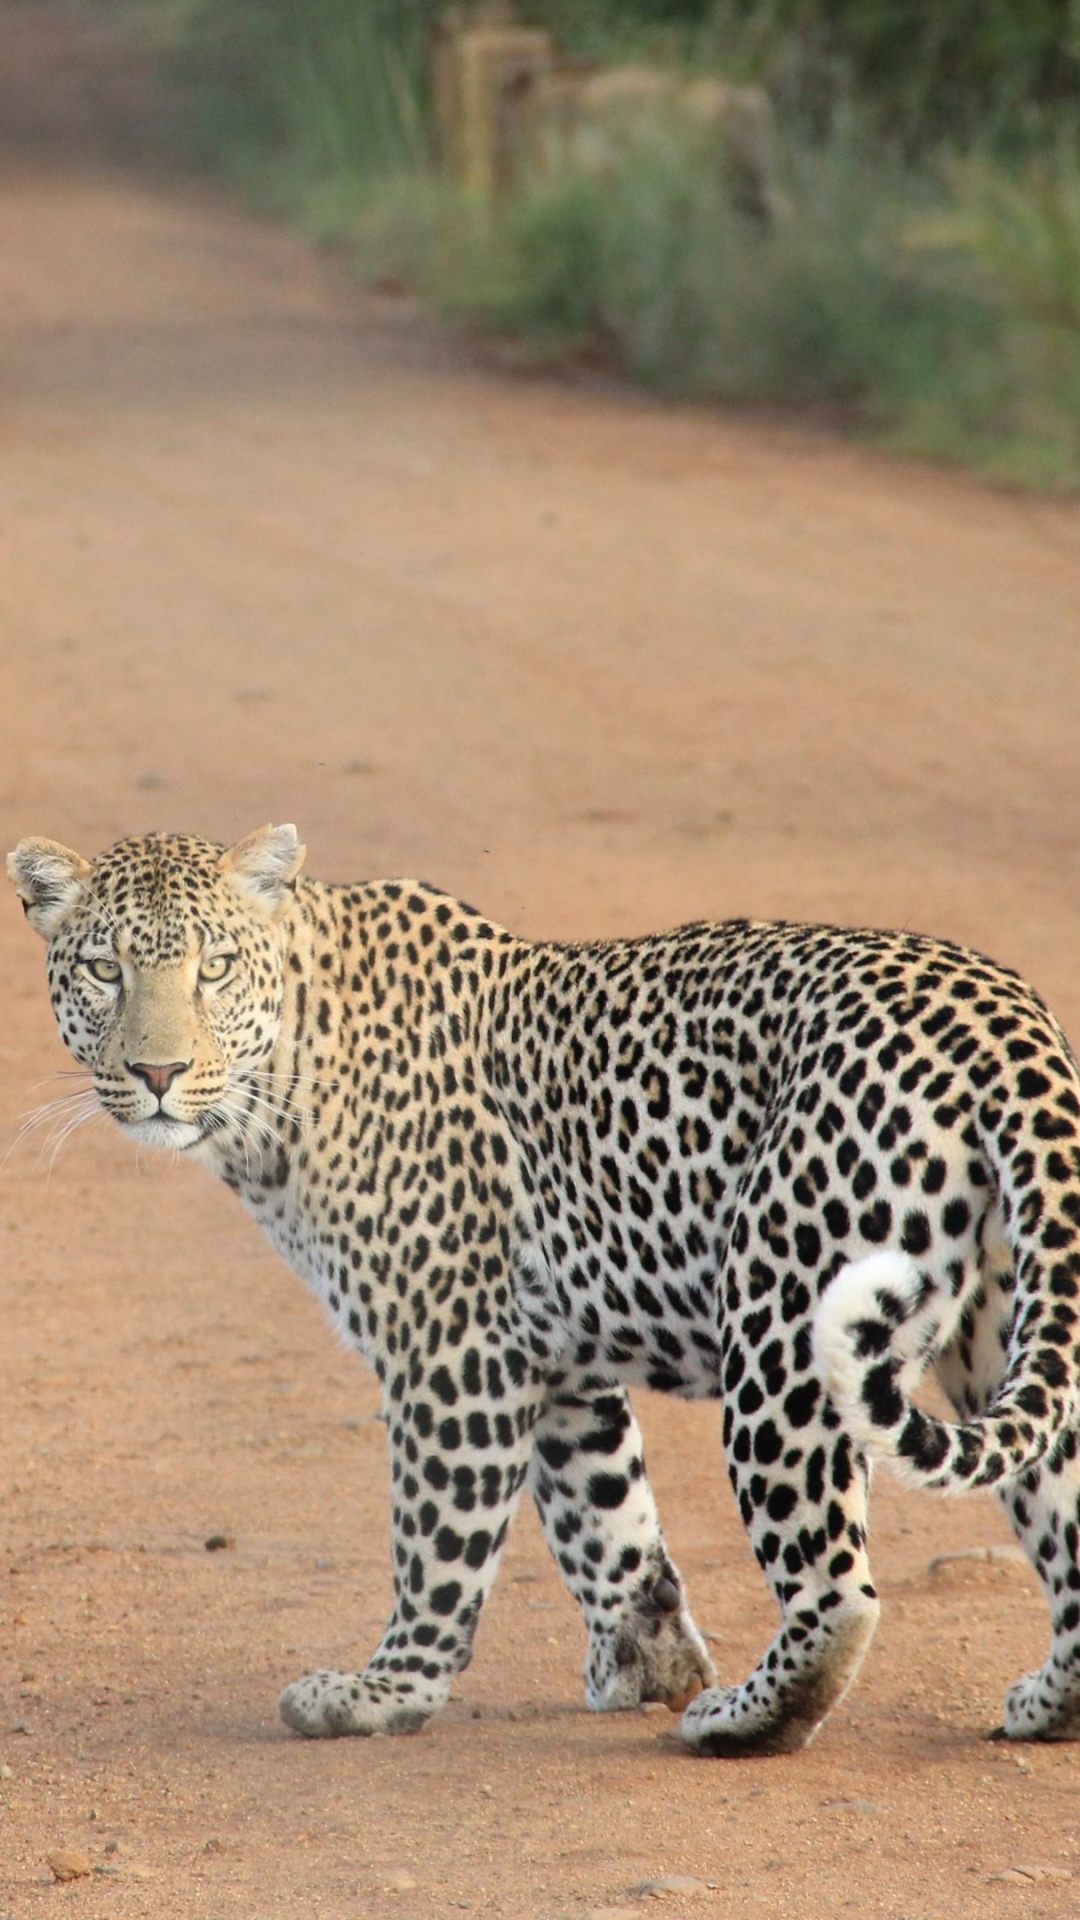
{"x":807,"y":1524}
{"x":1044,"y":1508}
{"x":802,"y":1489}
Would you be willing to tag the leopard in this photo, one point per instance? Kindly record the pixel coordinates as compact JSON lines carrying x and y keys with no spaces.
{"x":795,"y":1169}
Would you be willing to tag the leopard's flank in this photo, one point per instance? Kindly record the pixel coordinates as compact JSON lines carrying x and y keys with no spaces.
{"x":788,"y":1167}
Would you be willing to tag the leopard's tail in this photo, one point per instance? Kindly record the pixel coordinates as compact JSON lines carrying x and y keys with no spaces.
{"x":882,"y":1319}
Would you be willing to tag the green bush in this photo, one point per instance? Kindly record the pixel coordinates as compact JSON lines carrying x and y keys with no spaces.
{"x":654,"y":259}
{"x":885,"y":296}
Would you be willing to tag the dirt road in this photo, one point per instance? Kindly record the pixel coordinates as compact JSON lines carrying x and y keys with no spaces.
{"x":270,"y":548}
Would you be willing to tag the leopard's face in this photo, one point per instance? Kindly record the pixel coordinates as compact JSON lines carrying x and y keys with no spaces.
{"x":166,"y":964}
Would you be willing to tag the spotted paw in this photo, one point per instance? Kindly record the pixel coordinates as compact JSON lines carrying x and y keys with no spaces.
{"x":1037,"y":1708}
{"x":654,"y":1652}
{"x":727,"y":1722}
{"x":326,"y":1705}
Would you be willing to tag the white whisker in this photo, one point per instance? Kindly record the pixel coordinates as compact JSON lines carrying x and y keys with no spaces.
{"x":65,"y":1132}
{"x":57,"y":1117}
{"x":269,"y":1106}
{"x":280,"y":1107}
{"x":300,"y":1079}
{"x":34,"y":1115}
{"x":105,"y":911}
{"x":247,"y":1127}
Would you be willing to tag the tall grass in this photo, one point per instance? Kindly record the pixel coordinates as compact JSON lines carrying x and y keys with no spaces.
{"x":300,"y":96}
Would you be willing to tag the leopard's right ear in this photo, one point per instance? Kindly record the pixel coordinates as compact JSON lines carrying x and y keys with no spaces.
{"x":264,"y":865}
{"x":50,"y":881}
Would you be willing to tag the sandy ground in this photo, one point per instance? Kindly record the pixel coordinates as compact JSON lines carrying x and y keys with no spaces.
{"x":270,"y":548}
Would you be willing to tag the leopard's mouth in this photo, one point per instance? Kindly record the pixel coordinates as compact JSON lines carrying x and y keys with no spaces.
{"x":164,"y":1130}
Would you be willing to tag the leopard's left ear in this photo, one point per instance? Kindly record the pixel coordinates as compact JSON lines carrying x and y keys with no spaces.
{"x":49,"y":879}
{"x":263,"y":865}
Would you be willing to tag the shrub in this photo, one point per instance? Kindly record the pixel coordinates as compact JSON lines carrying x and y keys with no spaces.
{"x":655,"y":259}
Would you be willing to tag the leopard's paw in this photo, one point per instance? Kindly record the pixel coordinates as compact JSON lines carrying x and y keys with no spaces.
{"x":1041,"y":1707}
{"x":326,"y":1705}
{"x":653,"y":1651}
{"x":728,"y":1721}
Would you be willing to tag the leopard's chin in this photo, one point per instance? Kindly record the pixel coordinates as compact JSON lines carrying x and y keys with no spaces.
{"x":160,"y":1130}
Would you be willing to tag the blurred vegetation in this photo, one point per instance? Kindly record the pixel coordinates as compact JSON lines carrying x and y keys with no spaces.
{"x":926,"y":69}
{"x":918,"y":274}
{"x":318,"y":90}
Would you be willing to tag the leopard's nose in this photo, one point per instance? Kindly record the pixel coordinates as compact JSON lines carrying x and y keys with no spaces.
{"x":158,"y":1079}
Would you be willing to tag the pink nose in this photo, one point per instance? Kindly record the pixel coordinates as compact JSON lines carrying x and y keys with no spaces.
{"x":158,"y":1079}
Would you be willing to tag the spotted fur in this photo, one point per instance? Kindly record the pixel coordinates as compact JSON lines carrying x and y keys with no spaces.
{"x":789,"y":1167}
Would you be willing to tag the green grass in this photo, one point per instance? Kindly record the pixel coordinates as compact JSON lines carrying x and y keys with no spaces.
{"x":297,"y":92}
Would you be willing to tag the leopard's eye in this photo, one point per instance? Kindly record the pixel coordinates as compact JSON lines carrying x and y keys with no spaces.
{"x":107,"y":971}
{"x":216,"y":967}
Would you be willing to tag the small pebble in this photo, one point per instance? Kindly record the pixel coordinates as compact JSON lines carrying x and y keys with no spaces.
{"x":996,"y":1556}
{"x":678,"y":1702}
{"x":219,"y":1540}
{"x":670,"y":1884}
{"x":150,"y":780}
{"x":69,"y":1866}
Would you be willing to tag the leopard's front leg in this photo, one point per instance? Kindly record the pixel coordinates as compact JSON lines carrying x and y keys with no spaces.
{"x":587,"y":1476}
{"x":460,"y":1437}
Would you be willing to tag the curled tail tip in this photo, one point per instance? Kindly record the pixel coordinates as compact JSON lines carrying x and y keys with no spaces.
{"x":877,"y":1325}
{"x":872,"y":1337}
{"x":884,"y":1287}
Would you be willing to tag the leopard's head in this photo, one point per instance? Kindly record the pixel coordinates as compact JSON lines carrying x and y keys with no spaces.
{"x":166,"y":964}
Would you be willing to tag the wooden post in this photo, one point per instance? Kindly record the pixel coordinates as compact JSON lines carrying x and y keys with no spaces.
{"x":488,"y":78}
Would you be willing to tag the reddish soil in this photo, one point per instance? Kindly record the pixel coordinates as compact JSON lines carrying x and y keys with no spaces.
{"x":273,"y":548}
